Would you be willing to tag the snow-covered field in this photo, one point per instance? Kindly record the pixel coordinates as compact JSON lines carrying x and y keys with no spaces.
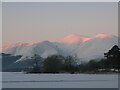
{"x":20,"y":80}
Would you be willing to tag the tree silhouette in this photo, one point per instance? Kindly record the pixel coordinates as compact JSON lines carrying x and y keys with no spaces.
{"x":112,"y":57}
{"x":37,"y":62}
{"x":70,"y":64}
{"x":53,"y":64}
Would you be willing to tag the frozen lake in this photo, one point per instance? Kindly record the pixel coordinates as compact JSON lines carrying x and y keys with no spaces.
{"x":20,"y":80}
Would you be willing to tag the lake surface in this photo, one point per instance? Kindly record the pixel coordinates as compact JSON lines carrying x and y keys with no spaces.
{"x":20,"y":80}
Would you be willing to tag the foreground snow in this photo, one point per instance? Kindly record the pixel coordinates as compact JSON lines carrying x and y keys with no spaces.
{"x":20,"y":80}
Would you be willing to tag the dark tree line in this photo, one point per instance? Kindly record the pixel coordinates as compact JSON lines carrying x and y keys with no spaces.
{"x":54,"y":64}
{"x":112,"y":57}
{"x":37,"y":64}
{"x":110,"y":61}
{"x":60,"y":64}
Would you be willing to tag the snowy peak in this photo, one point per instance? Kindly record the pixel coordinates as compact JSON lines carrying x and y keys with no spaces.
{"x":74,"y":38}
{"x":73,"y":44}
{"x":70,"y":39}
{"x":14,"y":45}
{"x":102,"y":35}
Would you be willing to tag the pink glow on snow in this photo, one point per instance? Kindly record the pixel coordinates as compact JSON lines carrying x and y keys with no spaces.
{"x":102,"y":35}
{"x":14,"y":45}
{"x":4,"y":47}
{"x":74,"y":38}
{"x":70,"y":39}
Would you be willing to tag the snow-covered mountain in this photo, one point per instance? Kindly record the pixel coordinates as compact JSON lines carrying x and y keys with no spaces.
{"x":85,"y":48}
{"x":96,"y":47}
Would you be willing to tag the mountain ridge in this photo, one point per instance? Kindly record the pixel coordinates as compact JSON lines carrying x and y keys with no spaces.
{"x":93,"y":48}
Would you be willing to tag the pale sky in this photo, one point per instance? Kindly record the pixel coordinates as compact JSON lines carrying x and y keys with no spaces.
{"x":30,"y":22}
